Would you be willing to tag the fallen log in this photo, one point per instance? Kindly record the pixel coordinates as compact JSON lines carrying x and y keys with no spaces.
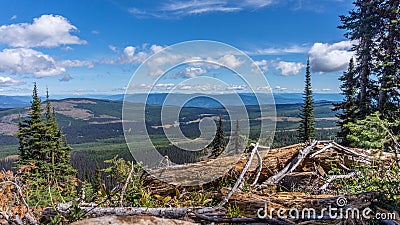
{"x":290,"y":167}
{"x":241,"y":177}
{"x":139,"y":220}
{"x":172,"y":213}
{"x":335,"y":177}
{"x":241,"y":220}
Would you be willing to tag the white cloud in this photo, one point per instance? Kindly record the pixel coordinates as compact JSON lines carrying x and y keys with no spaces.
{"x":8,"y":81}
{"x":330,"y":57}
{"x":75,"y":63}
{"x":279,"y":88}
{"x":129,"y":51}
{"x":156,"y":48}
{"x":66,"y":78}
{"x":230,"y":61}
{"x":190,"y":72}
{"x":279,"y":51}
{"x":179,"y":8}
{"x":289,"y":68}
{"x":112,"y":48}
{"x":155,"y":64}
{"x":132,"y":54}
{"x":237,"y":87}
{"x":165,"y":87}
{"x":262,"y":64}
{"x":45,"y":31}
{"x":29,"y":61}
{"x":13,"y":17}
{"x":67,"y":48}
{"x":198,"y":7}
{"x":184,"y":87}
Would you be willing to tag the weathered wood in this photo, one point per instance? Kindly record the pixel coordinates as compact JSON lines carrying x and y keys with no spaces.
{"x":128,"y":220}
{"x":292,"y":165}
{"x":330,"y":145}
{"x":173,"y":213}
{"x":350,"y":151}
{"x":241,"y":177}
{"x":242,"y":220}
{"x":259,"y":168}
{"x":335,"y":177}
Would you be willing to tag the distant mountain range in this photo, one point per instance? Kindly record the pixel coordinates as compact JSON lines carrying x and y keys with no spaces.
{"x":174,"y":99}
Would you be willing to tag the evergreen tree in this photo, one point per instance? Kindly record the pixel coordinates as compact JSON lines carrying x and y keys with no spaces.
{"x":374,"y":27}
{"x":306,"y":128}
{"x":218,"y":143}
{"x":362,"y":26}
{"x":44,"y":156}
{"x":98,"y":181}
{"x":388,"y":60}
{"x":347,"y":107}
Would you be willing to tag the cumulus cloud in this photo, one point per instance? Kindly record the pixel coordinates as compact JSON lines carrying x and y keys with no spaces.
{"x":190,"y":72}
{"x":29,"y":61}
{"x":129,"y":51}
{"x":289,"y":68}
{"x":262,"y":64}
{"x":45,"y":31}
{"x":132,"y":54}
{"x":330,"y":57}
{"x":66,"y":78}
{"x":230,"y":61}
{"x":8,"y":81}
{"x":157,"y":65}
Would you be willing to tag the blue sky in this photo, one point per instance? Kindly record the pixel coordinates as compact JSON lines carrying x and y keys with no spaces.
{"x":94,"y":47}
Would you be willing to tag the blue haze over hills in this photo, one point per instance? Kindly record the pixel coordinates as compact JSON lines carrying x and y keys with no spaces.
{"x":202,"y":102}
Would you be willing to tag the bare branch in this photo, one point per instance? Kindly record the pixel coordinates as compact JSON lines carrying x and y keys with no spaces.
{"x":241,"y":177}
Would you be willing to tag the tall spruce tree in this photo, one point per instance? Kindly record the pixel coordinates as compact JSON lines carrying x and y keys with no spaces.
{"x":43,"y":150}
{"x":388,"y":60}
{"x":306,"y":128}
{"x":374,"y":27}
{"x":362,"y":27}
{"x":347,"y":108}
{"x":218,"y":143}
